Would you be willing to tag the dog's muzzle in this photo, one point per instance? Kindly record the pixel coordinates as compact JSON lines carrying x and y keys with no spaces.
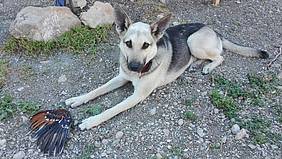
{"x":139,"y":67}
{"x":135,"y":66}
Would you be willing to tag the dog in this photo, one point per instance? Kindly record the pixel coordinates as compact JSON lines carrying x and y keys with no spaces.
{"x":155,"y":55}
{"x":215,"y":2}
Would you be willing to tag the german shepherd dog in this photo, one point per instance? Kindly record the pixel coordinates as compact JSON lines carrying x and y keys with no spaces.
{"x":154,"y":55}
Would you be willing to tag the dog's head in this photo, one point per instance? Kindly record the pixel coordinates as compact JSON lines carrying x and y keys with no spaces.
{"x":138,"y":41}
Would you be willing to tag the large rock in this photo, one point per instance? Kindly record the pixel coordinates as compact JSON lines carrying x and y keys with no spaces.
{"x":42,"y":24}
{"x":99,"y":14}
{"x":79,"y":3}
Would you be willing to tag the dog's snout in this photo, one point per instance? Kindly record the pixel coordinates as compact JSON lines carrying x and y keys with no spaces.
{"x":135,"y":66}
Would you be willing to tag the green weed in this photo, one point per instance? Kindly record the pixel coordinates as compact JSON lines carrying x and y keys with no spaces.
{"x":93,"y":110}
{"x":28,"y":107}
{"x":7,"y":108}
{"x":77,"y":40}
{"x":225,"y":103}
{"x":3,"y":72}
{"x":190,"y":116}
{"x":87,"y":152}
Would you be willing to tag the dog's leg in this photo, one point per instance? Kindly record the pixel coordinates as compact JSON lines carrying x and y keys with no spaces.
{"x":114,"y":83}
{"x":209,"y":67}
{"x":140,"y":93}
{"x":215,"y":2}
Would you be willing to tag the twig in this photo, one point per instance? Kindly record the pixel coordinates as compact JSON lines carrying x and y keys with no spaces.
{"x":275,"y":58}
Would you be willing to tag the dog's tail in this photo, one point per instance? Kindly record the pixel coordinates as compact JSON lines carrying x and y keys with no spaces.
{"x":242,"y":50}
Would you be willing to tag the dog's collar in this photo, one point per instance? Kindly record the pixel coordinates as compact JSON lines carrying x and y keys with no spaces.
{"x":147,"y":67}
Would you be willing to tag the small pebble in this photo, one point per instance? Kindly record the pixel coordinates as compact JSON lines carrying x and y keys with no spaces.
{"x":119,"y":135}
{"x":3,"y":142}
{"x":242,"y":134}
{"x":153,"y":111}
{"x":223,"y":139}
{"x":252,"y":146}
{"x":180,"y":122}
{"x":274,"y":147}
{"x":235,"y":129}
{"x":159,"y":156}
{"x":62,"y":79}
{"x":200,"y":132}
{"x":19,"y":155}
{"x":166,"y":132}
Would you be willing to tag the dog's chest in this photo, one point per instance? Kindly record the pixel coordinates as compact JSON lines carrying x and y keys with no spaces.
{"x":178,"y":36}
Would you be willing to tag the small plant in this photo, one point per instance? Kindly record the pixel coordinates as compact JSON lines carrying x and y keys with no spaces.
{"x":259,"y":130}
{"x":177,"y":151}
{"x":93,"y":110}
{"x":225,"y":103}
{"x":232,"y":89}
{"x":189,"y":102}
{"x":7,"y":108}
{"x":215,"y":146}
{"x":3,"y":72}
{"x":190,"y":115}
{"x":78,"y":39}
{"x":87,"y":152}
{"x":28,"y":107}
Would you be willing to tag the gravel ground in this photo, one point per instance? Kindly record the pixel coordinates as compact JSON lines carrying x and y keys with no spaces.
{"x":156,"y":127}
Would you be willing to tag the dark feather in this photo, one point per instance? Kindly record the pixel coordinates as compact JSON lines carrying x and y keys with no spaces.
{"x":51,"y":130}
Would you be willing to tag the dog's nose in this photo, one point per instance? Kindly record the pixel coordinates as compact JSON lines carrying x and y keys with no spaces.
{"x":135,"y":66}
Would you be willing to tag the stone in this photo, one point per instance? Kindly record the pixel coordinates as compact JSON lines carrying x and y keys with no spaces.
{"x":216,"y":111}
{"x":105,"y":141}
{"x":25,"y":119}
{"x":252,"y":146}
{"x":200,"y":132}
{"x":235,"y":129}
{"x":119,"y":135}
{"x":242,"y":134}
{"x":180,"y":122}
{"x":279,"y":76}
{"x":79,"y":3}
{"x":163,"y":1}
{"x":153,"y":111}
{"x":62,"y":79}
{"x":43,"y":23}
{"x":274,"y":147}
{"x":166,"y":132}
{"x":223,"y":139}
{"x":97,"y":144}
{"x":99,"y":14}
{"x":20,"y":89}
{"x":19,"y":155}
{"x":3,"y":143}
{"x":159,"y":156}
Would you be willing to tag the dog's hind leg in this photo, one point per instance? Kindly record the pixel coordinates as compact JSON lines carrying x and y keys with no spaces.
{"x":206,"y":45}
{"x":114,"y":83}
{"x":140,"y":93}
{"x":209,"y":67}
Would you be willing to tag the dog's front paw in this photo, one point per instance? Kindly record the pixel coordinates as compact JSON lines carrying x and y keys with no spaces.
{"x":206,"y":70}
{"x":89,"y":123}
{"x":76,"y":101}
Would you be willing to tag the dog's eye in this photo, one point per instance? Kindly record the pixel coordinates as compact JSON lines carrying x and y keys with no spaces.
{"x":145,"y":45}
{"x":128,"y":44}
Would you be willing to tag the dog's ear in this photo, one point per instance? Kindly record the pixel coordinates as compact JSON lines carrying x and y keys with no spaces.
{"x":122,"y":21}
{"x":160,"y":26}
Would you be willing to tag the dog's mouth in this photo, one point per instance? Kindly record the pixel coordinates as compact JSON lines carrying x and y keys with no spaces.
{"x":146,"y":67}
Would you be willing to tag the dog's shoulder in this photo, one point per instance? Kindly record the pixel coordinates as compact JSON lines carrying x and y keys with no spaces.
{"x":177,"y":36}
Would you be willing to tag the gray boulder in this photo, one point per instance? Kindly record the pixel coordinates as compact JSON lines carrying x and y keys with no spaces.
{"x":99,"y":14}
{"x":42,"y":24}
